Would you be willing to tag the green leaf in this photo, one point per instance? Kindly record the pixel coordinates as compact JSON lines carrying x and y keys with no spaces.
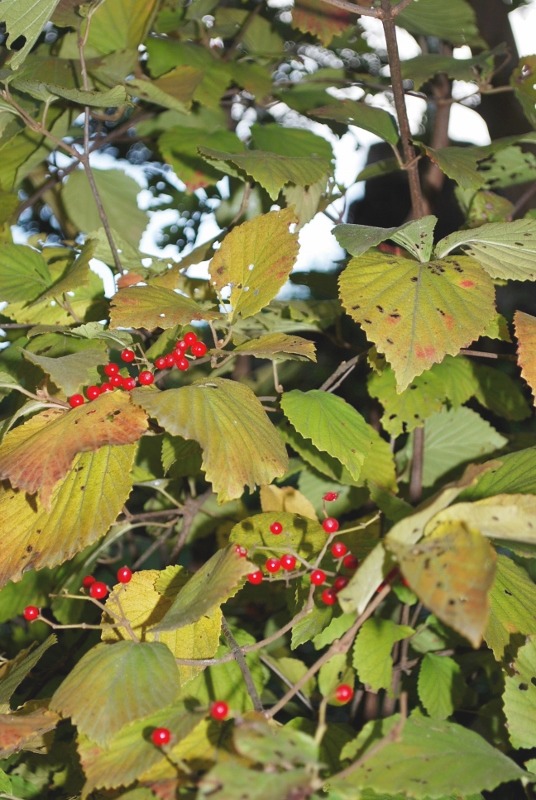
{"x":336,"y":628}
{"x":361,"y":115}
{"x":120,"y":25}
{"x":119,"y":196}
{"x":456,"y":24}
{"x":417,"y":313}
{"x":523,"y":84}
{"x":503,"y":249}
{"x":24,"y":274}
{"x":69,"y":372}
{"x":249,"y":450}
{"x":500,"y":393}
{"x":444,"y":757}
{"x":416,"y":236}
{"x":455,"y":437}
{"x":109,"y":98}
{"x":310,"y":626}
{"x":278,"y":347}
{"x":12,"y":673}
{"x":214,"y":583}
{"x":512,"y":602}
{"x":155,"y":307}
{"x":520,"y":697}
{"x":332,"y":673}
{"x":180,"y":457}
{"x":254,"y":261}
{"x":271,"y":170}
{"x":180,"y":148}
{"x":83,"y":506}
{"x":372,"y":652}
{"x":24,"y":21}
{"x":451,"y":572}
{"x":263,"y":742}
{"x":175,"y":90}
{"x":332,"y":425}
{"x":300,"y":535}
{"x":424,"y":67}
{"x":364,"y":583}
{"x":130,"y":752}
{"x":440,"y":685}
{"x":122,"y":682}
{"x":459,"y":165}
{"x":228,"y":780}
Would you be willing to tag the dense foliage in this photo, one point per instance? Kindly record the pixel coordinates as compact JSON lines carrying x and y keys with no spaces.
{"x":266,"y":534}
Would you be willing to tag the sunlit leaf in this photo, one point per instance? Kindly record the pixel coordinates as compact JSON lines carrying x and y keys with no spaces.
{"x":365,"y":581}
{"x":278,"y":347}
{"x":122,"y":682}
{"x":525,"y":326}
{"x":332,"y":425}
{"x":369,"y":118}
{"x":120,"y":24}
{"x":286,"y":498}
{"x":372,"y":652}
{"x":36,"y":455}
{"x":249,"y":450}
{"x":417,"y":313}
{"x":440,"y":685}
{"x":83,"y":506}
{"x":512,"y":602}
{"x":155,"y":307}
{"x":301,"y":535}
{"x":459,"y":165}
{"x":24,"y":274}
{"x":263,"y":741}
{"x":451,"y":572}
{"x":503,"y":249}
{"x":254,"y":261}
{"x":24,"y":22}
{"x":520,"y":697}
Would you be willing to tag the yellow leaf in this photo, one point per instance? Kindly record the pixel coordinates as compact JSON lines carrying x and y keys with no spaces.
{"x":286,"y":499}
{"x":525,"y":326}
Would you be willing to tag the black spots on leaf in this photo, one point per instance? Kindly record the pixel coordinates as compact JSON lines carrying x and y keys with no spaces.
{"x":508,"y":593}
{"x":413,"y":386}
{"x":414,"y":279}
{"x":356,"y":308}
{"x":380,"y":309}
{"x":389,"y":341}
{"x":29,"y":548}
{"x":394,"y":315}
{"x":440,"y":311}
{"x":533,"y":680}
{"x":367,"y":321}
{"x":523,"y":687}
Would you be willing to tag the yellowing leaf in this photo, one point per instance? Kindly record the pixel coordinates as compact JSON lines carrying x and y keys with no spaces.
{"x":83,"y":506}
{"x":286,"y":498}
{"x":525,"y":326}
{"x":24,"y":729}
{"x":254,"y":261}
{"x":143,"y":605}
{"x":451,"y":572}
{"x":417,"y":313}
{"x":36,"y":455}
{"x":301,"y":535}
{"x":155,"y":307}
{"x":240,"y":445}
{"x":278,"y":347}
{"x":324,"y":22}
{"x":120,"y":683}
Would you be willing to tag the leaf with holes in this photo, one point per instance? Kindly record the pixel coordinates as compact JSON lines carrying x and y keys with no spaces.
{"x":372,"y":652}
{"x":155,"y":307}
{"x":145,"y":601}
{"x":459,"y":165}
{"x":451,"y":572}
{"x":240,"y":445}
{"x":331,"y":424}
{"x":254,"y":261}
{"x":36,"y":455}
{"x":24,"y":21}
{"x":417,"y":313}
{"x":83,"y":506}
{"x":504,"y":249}
{"x":520,"y":697}
{"x":122,"y":682}
{"x":525,"y":326}
{"x":512,"y":603}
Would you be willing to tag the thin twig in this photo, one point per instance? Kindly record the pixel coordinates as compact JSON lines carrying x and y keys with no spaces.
{"x":344,"y":369}
{"x":242,"y":665}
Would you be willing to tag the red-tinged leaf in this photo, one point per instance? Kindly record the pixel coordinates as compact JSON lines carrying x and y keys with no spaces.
{"x":114,"y":684}
{"x":35,"y":456}
{"x":83,"y":506}
{"x":155,"y":307}
{"x":525,"y":326}
{"x":254,"y":261}
{"x":417,"y":313}
{"x":24,"y":729}
{"x":323,"y":21}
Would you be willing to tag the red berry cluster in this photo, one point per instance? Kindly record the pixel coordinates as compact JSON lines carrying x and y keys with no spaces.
{"x":219,"y":710}
{"x":176,"y":358}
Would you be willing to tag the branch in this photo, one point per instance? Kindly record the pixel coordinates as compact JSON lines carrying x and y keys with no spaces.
{"x":353,"y":8}
{"x":242,"y":665}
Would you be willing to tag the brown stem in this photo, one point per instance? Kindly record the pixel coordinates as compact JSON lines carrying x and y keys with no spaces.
{"x":242,"y":665}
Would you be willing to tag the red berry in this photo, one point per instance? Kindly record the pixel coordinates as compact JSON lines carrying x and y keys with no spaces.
{"x":344,"y":693}
{"x":181,"y":346}
{"x":31,"y":613}
{"x":117,"y":381}
{"x":98,"y":590}
{"x":318,"y":577}
{"x":76,"y":400}
{"x":124,"y":574}
{"x":146,"y":377}
{"x":273,"y":565}
{"x":329,"y":497}
{"x":338,"y":549}
{"x":129,"y":384}
{"x":92,"y":392}
{"x":241,"y":551}
{"x":339,"y":583}
{"x":106,"y":387}
{"x":199,"y":349}
{"x":330,"y":525}
{"x":161,"y":736}
{"x":276,"y":528}
{"x":350,"y":561}
{"x":329,"y":597}
{"x":288,"y":562}
{"x":169,"y":358}
{"x":219,"y":710}
{"x":190,"y":338}
{"x":128,"y":355}
{"x":255,"y":577}
{"x":160,"y":362}
{"x":181,"y":363}
{"x":87,"y":581}
{"x":111,"y":369}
